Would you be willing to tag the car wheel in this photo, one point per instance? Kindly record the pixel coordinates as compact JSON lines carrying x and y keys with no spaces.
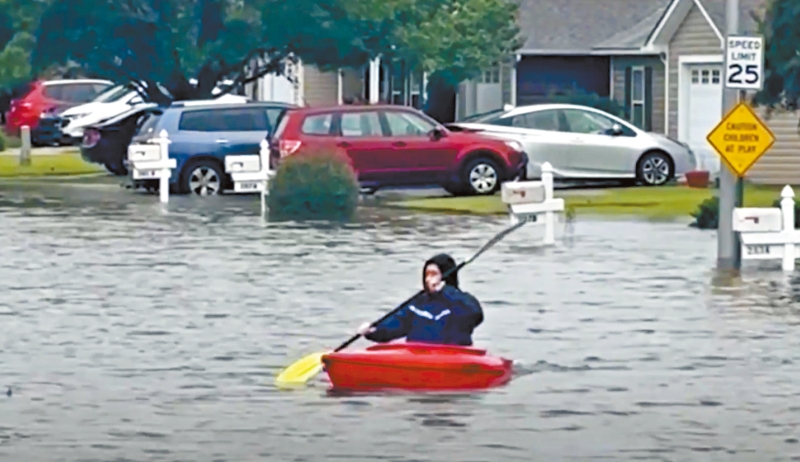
{"x":481,"y":177}
{"x":203,"y":178}
{"x":654,"y":169}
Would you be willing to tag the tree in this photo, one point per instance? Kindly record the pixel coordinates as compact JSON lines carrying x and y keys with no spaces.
{"x":162,"y":45}
{"x":779,"y":25}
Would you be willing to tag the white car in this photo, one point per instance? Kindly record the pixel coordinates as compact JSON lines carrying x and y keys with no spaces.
{"x":113,"y":102}
{"x":584,"y":143}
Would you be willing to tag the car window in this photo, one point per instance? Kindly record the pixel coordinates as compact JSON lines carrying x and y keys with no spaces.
{"x":273,"y":114}
{"x":281,"y":126}
{"x":149,"y":124}
{"x":317,"y":124}
{"x":224,"y":120}
{"x":364,"y":123}
{"x":53,"y":92}
{"x":587,"y":122}
{"x":78,"y":93}
{"x":407,"y":124}
{"x":252,"y":119}
{"x":539,"y":120}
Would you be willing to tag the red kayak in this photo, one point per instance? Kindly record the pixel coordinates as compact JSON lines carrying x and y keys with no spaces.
{"x":417,"y":366}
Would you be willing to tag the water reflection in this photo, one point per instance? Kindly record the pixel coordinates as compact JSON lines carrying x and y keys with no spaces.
{"x":133,"y":334}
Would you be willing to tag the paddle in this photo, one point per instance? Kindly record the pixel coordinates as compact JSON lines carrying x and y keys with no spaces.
{"x":302,"y":370}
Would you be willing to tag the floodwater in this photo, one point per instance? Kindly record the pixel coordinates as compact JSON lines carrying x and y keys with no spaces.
{"x":127,"y":333}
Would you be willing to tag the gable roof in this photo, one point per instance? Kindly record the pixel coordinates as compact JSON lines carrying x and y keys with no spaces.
{"x":714,"y":11}
{"x":578,"y":26}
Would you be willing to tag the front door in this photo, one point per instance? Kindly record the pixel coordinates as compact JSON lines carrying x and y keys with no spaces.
{"x":421,"y":159}
{"x":361,"y":137}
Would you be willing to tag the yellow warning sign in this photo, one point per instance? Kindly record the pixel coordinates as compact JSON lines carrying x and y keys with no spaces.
{"x":741,"y":138}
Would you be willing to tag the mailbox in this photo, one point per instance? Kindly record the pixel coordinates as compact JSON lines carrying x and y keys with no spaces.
{"x":757,"y":220}
{"x":242,"y":164}
{"x":144,"y":152}
{"x":523,"y":192}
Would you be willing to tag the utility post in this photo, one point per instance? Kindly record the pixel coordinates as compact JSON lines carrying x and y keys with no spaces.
{"x":729,"y":255}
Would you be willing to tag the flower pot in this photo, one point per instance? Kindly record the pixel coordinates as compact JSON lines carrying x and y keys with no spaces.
{"x":697,"y":179}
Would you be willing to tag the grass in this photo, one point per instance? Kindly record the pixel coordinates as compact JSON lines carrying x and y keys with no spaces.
{"x":69,"y":163}
{"x":665,"y":202}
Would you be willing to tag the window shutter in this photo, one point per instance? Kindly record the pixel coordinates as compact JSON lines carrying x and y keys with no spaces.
{"x":648,"y":98}
{"x":628,"y":93}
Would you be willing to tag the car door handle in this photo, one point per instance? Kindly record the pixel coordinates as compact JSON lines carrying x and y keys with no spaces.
{"x":343,"y":144}
{"x":222,"y":141}
{"x":399,"y":144}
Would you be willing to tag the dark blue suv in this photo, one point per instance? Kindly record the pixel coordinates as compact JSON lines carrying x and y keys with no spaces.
{"x":202,"y":133}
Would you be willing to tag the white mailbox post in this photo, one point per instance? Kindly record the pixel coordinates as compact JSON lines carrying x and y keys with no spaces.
{"x":531,"y":199}
{"x":768,"y":233}
{"x":250,"y":173}
{"x":151,"y":161}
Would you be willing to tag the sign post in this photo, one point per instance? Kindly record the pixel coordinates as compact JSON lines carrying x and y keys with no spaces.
{"x":741,"y":137}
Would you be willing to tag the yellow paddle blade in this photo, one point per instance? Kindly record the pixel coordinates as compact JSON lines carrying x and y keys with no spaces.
{"x":301,"y":371}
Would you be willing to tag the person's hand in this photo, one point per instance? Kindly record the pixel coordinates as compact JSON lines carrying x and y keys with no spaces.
{"x":365,"y":328}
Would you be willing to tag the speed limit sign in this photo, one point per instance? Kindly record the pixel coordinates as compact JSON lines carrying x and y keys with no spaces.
{"x":744,"y":63}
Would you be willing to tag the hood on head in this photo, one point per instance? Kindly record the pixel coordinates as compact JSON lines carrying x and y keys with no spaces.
{"x":445,"y":263}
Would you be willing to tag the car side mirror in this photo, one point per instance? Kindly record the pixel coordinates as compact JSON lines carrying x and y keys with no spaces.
{"x":616,"y":130}
{"x":437,"y":134}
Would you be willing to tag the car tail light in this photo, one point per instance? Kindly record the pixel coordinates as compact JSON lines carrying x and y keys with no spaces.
{"x":288,"y":147}
{"x":91,"y":137}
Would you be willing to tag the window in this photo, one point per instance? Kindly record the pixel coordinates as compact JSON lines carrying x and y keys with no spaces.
{"x":78,"y":93}
{"x":55,"y":92}
{"x":637,"y":96}
{"x":490,"y":76}
{"x":587,"y":122}
{"x":706,"y":76}
{"x":407,"y":124}
{"x":360,"y":124}
{"x":317,"y":124}
{"x":539,"y":120}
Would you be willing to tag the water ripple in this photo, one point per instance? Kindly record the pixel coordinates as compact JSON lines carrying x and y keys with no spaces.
{"x":129,"y":333}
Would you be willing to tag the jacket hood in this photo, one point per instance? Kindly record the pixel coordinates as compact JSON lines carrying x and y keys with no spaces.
{"x":445,"y":263}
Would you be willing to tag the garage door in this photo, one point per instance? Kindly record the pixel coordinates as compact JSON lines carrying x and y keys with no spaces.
{"x":703,"y":111}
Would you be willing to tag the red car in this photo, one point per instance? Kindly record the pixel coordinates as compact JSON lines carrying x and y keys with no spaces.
{"x":400,"y":146}
{"x":51,"y":95}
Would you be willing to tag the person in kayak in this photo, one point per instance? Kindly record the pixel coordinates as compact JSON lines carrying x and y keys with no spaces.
{"x":443,"y":314}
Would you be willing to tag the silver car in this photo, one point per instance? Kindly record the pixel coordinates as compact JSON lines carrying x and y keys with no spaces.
{"x":583,"y":143}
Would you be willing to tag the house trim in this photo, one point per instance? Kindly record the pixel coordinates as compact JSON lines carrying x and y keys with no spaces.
{"x":674,"y":17}
{"x":611,"y":77}
{"x":513,"y":101}
{"x":683,"y":92}
{"x":665,"y":63}
{"x":339,"y":85}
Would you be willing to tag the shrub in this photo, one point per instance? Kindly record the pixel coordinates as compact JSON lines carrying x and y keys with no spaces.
{"x":707,"y":214}
{"x":314,"y":186}
{"x":583,"y":98}
{"x":777,"y":203}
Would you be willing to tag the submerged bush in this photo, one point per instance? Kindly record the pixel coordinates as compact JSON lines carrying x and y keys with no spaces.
{"x":707,"y":214}
{"x":311,"y":186}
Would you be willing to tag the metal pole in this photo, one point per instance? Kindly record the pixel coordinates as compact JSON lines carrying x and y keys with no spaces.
{"x":730,"y":186}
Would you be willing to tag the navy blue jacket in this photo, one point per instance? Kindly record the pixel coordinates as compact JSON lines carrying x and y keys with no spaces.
{"x":446,"y":317}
